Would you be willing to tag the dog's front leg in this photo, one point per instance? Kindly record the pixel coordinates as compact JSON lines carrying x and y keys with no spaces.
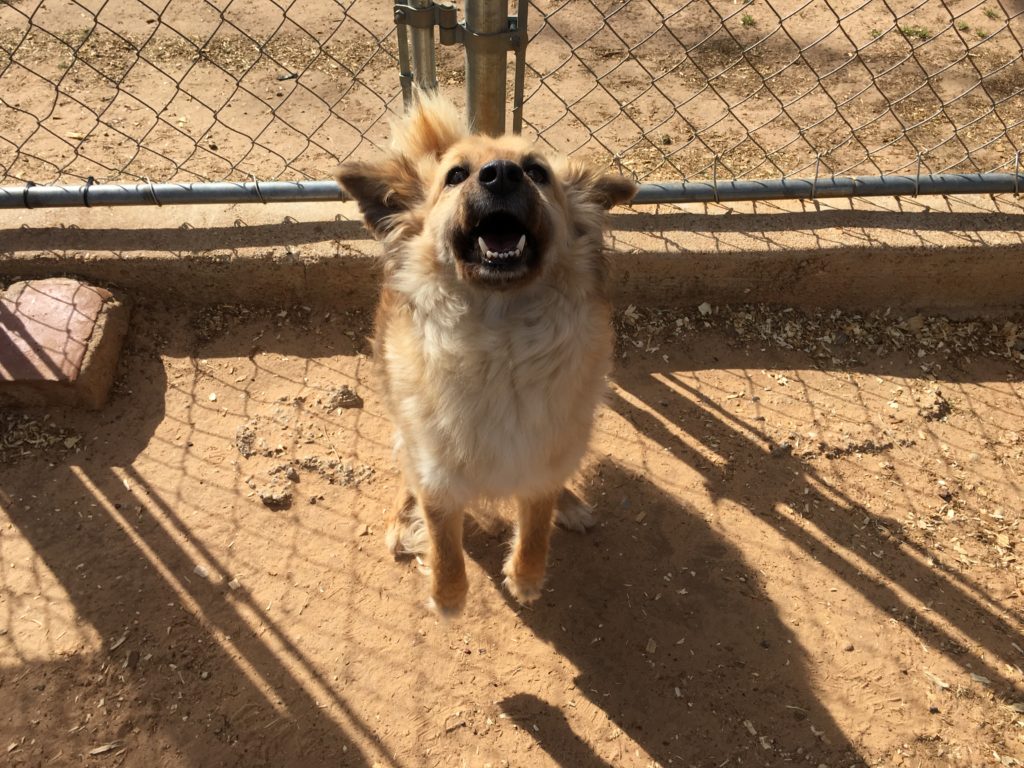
{"x":524,"y":569}
{"x":447,"y":564}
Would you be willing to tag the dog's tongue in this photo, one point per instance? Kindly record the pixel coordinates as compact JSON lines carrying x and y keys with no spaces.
{"x":499,"y":242}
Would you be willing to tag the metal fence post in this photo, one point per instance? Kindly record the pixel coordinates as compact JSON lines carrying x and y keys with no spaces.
{"x":411,"y":24}
{"x":486,"y":64}
{"x":522,"y":13}
{"x":424,"y":62}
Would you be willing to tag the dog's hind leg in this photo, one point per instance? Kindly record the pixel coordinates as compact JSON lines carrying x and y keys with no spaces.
{"x":524,"y":569}
{"x":448,"y":583}
{"x":572,"y":513}
{"x":406,"y":532}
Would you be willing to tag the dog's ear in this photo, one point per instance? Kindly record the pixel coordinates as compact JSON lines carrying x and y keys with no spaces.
{"x":388,"y":188}
{"x":383,"y":190}
{"x":597,"y":187}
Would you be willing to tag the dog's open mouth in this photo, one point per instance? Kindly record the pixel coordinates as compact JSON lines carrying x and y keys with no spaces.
{"x":501,"y":246}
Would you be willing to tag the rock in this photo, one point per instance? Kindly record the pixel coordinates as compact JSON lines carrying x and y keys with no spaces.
{"x":245,"y":440}
{"x":914,"y":324}
{"x":934,"y":407}
{"x":60,"y":340}
{"x":276,"y":496}
{"x":343,"y":397}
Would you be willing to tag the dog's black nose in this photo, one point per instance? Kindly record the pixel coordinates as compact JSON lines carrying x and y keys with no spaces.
{"x":501,"y":177}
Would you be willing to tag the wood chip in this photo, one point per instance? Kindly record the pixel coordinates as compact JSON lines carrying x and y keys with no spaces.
{"x":937,"y":680}
{"x":454,"y":721}
{"x":105,"y":748}
{"x":651,"y":645}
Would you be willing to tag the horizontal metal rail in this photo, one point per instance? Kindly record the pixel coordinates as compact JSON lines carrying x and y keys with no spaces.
{"x":838,"y":186}
{"x":223,"y":192}
{"x":167,"y":193}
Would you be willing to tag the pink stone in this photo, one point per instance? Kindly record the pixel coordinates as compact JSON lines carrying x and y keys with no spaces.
{"x":59,"y":342}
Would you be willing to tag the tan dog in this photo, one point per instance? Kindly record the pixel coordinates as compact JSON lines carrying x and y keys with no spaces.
{"x":493,"y":333}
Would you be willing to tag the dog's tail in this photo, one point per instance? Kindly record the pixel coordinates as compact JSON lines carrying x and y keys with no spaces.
{"x":406,"y":534}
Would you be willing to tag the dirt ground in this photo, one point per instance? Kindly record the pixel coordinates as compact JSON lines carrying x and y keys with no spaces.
{"x":806,"y":549}
{"x":805,"y":555}
{"x":191,"y":90}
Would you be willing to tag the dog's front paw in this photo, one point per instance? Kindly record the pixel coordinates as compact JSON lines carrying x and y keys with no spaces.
{"x":525,"y":592}
{"x":572,"y":513}
{"x":523,"y":587}
{"x":449,"y":601}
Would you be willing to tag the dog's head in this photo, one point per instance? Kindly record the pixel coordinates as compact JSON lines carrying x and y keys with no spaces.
{"x":493,"y":212}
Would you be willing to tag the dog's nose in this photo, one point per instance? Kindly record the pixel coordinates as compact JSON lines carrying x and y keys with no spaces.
{"x":500,"y":177}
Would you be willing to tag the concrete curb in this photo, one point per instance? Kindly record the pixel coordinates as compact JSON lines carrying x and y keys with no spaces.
{"x":954,"y":255}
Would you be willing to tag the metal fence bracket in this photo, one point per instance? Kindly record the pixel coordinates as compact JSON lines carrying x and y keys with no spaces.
{"x":452,"y":32}
{"x":487,"y":35}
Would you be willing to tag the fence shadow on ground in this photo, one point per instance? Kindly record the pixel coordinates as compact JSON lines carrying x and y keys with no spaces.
{"x":734,"y":662}
{"x":692,"y":678}
{"x":180,"y":240}
{"x":714,"y":672}
{"x":163,"y":628}
{"x":779,"y":477}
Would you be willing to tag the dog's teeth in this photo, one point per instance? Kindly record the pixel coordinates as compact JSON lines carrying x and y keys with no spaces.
{"x":521,"y":244}
{"x":483,"y":245}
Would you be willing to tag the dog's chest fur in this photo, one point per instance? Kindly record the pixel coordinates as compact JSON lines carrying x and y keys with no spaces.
{"x":495,"y":394}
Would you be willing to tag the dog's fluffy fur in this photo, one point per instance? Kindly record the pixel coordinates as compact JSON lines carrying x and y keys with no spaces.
{"x":493,"y":332}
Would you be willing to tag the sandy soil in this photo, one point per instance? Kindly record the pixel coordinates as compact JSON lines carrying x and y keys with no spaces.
{"x":192,"y":90}
{"x":806,"y":555}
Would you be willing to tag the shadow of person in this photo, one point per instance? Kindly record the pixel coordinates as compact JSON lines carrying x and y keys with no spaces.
{"x":181,"y":675}
{"x":696,"y":668}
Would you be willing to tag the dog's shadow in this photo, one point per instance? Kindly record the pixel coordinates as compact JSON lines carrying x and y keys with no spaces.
{"x":672,"y":637}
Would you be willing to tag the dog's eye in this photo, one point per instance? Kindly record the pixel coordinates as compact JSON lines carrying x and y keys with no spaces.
{"x":456,"y":176}
{"x":537,"y":173}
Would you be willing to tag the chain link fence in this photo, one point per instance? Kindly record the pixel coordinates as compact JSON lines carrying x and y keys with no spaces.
{"x":200,"y":90}
{"x":781,"y":88}
{"x":192,"y":90}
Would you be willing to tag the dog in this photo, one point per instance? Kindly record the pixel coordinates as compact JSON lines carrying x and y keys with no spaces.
{"x":493,"y":333}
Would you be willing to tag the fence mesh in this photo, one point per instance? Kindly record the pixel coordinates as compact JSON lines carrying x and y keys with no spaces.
{"x":186,"y":90}
{"x":780,"y":88}
{"x":191,"y":89}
